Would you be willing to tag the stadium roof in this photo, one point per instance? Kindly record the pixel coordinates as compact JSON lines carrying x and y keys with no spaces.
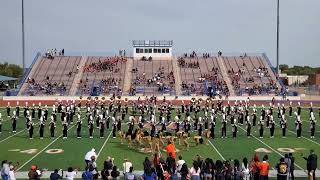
{"x":7,"y":78}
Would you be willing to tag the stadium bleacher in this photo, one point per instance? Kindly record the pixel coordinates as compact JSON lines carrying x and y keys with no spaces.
{"x":106,"y":75}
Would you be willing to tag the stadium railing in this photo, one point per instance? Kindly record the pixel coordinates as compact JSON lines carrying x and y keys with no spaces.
{"x":27,"y":72}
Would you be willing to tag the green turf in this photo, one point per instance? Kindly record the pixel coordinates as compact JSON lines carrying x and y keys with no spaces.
{"x":75,"y":149}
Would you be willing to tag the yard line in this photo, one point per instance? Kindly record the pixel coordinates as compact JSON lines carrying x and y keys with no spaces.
{"x":14,"y":135}
{"x":216,"y":150}
{"x":43,"y":149}
{"x":270,"y":147}
{"x":104,"y":144}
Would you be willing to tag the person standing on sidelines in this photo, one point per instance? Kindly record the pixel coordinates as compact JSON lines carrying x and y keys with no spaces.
{"x":282,"y":169}
{"x":264,"y":167}
{"x":291,"y":168}
{"x":312,"y":164}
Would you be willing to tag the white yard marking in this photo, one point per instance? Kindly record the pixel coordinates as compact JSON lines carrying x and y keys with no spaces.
{"x":104,"y":144}
{"x":270,"y":148}
{"x":42,"y":150}
{"x":216,"y":150}
{"x":14,"y":135}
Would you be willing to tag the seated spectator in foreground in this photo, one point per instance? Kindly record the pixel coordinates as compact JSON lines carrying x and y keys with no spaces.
{"x":5,"y":170}
{"x":126,"y":166}
{"x":55,"y":175}
{"x":149,"y":174}
{"x":87,"y":175}
{"x":129,"y":175}
{"x":34,"y":173}
{"x":71,"y":173}
{"x":195,"y":171}
{"x":115,"y":174}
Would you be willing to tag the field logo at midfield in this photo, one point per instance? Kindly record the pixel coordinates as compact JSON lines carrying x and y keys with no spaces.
{"x":34,"y":151}
{"x":283,"y":150}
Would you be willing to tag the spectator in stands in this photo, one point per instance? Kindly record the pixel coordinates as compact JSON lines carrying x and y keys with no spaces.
{"x":55,"y":175}
{"x":184,"y":172}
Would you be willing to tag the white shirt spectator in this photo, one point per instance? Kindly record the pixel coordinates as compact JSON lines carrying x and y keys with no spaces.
{"x":90,"y":154}
{"x":70,"y":175}
{"x":126,"y":166}
{"x":193,"y":172}
{"x":179,"y":164}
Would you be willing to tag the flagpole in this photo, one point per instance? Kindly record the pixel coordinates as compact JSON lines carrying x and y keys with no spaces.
{"x":23,"y":41}
{"x":278,"y":23}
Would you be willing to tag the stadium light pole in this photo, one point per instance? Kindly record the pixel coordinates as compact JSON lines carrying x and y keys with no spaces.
{"x":22,"y":29}
{"x":278,"y":8}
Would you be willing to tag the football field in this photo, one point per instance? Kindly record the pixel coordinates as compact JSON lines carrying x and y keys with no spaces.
{"x":61,"y":153}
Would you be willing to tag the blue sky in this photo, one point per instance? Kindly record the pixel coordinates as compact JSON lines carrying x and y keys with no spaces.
{"x":104,"y":26}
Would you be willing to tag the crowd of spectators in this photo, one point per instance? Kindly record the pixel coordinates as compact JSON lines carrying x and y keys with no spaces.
{"x":51,"y":53}
{"x":108,"y":64}
{"x":173,"y":168}
{"x":47,"y":87}
{"x":161,"y":79}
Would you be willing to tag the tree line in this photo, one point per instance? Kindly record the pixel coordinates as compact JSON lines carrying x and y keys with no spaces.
{"x":11,"y":70}
{"x":298,"y":70}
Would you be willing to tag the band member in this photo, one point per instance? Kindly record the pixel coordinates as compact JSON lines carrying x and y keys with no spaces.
{"x":114,"y":129}
{"x":254,"y":115}
{"x":52,"y":127}
{"x":28,"y":119}
{"x":8,"y":109}
{"x":234,"y":130}
{"x":26,"y":108}
{"x":101,"y":127}
{"x":17,"y":109}
{"x":312,"y":125}
{"x":200,"y":128}
{"x":1,"y":123}
{"x":272,"y":126}
{"x":212,"y":126}
{"x":79,"y":125}
{"x":224,"y":127}
{"x":14,"y":122}
{"x":31,"y":128}
{"x":299,"y":109}
{"x":298,"y":125}
{"x":91,"y":127}
{"x":119,"y":124}
{"x":290,"y":109}
{"x":260,"y":125}
{"x":39,"y":111}
{"x":248,"y":123}
{"x":41,"y":129}
{"x":53,"y":113}
{"x":283,"y":124}
{"x":65,"y":129}
{"x":33,"y":111}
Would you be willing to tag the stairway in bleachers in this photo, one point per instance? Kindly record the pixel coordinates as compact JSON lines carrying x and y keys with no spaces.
{"x":177,"y":75}
{"x":225,"y":75}
{"x":128,"y":76}
{"x":78,"y":76}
